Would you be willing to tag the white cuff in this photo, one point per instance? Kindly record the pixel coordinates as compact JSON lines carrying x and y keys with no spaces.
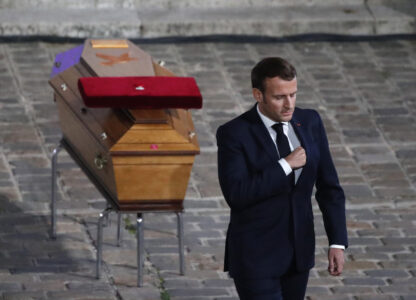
{"x":285,"y":165}
{"x":337,"y":246}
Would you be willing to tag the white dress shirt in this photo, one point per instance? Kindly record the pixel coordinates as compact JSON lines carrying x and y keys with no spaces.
{"x":283,"y":163}
{"x":269,"y":123}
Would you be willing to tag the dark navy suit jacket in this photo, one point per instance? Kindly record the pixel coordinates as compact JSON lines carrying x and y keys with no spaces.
{"x":261,"y":242}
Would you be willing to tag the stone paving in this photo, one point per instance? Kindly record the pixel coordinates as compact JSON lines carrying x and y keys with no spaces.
{"x":366,"y":94}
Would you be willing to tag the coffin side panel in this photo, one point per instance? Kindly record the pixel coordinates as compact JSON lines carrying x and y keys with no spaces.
{"x":152,"y":181}
{"x":83,"y":142}
{"x":181,"y":120}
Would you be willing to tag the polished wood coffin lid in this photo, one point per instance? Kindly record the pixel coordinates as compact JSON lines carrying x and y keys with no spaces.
{"x":116,"y":61}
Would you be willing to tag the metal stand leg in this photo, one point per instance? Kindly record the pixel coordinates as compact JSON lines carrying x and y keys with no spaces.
{"x":53,"y":190}
{"x":102,"y":216}
{"x":140,"y":250}
{"x":119,"y":232}
{"x":107,"y":218}
{"x":181,"y":244}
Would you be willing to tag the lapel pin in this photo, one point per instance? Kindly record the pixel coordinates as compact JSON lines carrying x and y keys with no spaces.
{"x":298,"y":124}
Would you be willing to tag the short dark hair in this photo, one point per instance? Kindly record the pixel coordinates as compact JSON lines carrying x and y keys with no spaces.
{"x":270,"y":67}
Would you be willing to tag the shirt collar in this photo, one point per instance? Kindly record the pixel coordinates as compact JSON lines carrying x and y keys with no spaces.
{"x":267,"y":121}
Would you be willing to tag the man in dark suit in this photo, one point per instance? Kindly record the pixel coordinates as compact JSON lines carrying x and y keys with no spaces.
{"x":269,"y":159}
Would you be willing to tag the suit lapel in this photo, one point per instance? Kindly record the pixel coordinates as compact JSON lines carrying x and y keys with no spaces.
{"x":261,"y":134}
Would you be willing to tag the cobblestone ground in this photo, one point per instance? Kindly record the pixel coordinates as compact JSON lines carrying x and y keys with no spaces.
{"x":366,"y":94}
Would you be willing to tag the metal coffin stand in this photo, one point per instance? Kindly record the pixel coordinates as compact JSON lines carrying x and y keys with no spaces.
{"x":111,"y":206}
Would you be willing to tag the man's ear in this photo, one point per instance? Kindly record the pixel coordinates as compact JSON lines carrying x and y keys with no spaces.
{"x":258,"y":95}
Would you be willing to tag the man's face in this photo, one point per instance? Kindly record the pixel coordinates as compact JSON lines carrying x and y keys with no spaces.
{"x":278,"y":100}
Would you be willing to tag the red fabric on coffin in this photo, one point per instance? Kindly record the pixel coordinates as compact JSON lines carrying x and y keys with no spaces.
{"x":153,"y":92}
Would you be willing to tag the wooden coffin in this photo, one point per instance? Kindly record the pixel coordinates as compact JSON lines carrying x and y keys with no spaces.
{"x":139,"y":159}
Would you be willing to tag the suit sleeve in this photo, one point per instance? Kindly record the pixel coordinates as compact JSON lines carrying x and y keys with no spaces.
{"x":241,"y":187}
{"x":329,"y":194}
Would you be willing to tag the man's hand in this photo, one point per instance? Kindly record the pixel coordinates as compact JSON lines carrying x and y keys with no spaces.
{"x":296,"y":159}
{"x":335,"y":261}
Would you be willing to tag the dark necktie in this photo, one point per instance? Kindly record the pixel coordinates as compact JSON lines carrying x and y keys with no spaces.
{"x":281,"y":140}
{"x":283,"y":145}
